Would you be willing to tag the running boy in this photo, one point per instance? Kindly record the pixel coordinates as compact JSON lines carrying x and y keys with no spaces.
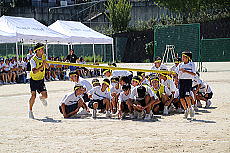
{"x":37,"y":74}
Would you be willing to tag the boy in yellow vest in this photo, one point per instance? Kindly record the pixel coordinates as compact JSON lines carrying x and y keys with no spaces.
{"x":37,"y":74}
{"x":163,"y":93}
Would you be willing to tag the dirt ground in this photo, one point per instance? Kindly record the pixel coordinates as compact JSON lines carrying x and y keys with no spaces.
{"x":50,"y":132}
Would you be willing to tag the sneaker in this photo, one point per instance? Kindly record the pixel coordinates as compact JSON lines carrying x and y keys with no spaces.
{"x":11,"y":82}
{"x":131,"y":115}
{"x":192,"y":112}
{"x":199,"y":104}
{"x":180,"y":110}
{"x":151,"y":113}
{"x":147,"y":117}
{"x":166,"y":112}
{"x":14,"y":82}
{"x":195,"y":107}
{"x":108,"y":114}
{"x":140,"y":115}
{"x":208,"y":103}
{"x":94,"y":113}
{"x":31,"y":115}
{"x":186,"y":112}
{"x":123,"y":116}
{"x":44,"y":101}
{"x":84,"y":113}
{"x":56,"y":79}
{"x":135,"y":114}
{"x":171,"y":108}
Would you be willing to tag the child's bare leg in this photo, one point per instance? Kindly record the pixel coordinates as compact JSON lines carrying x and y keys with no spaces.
{"x":183,"y":102}
{"x":188,"y":101}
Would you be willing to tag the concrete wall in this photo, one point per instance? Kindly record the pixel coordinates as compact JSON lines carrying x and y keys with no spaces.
{"x":141,"y":11}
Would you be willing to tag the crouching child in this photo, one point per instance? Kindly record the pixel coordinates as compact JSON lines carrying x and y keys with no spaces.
{"x":71,"y":103}
{"x":122,"y":101}
{"x":100,"y":98}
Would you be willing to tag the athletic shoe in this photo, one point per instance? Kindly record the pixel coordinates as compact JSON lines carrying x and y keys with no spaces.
{"x":192,"y":112}
{"x":199,"y":104}
{"x":44,"y":101}
{"x":131,"y":116}
{"x":108,"y":114}
{"x":180,"y":110}
{"x":147,"y":117}
{"x":166,"y":112}
{"x":14,"y":82}
{"x":140,"y":115}
{"x":94,"y":113}
{"x":135,"y":114}
{"x":186,"y":112}
{"x":151,"y":113}
{"x":208,"y":103}
{"x":171,"y":108}
{"x":195,"y":107}
{"x":56,"y":79}
{"x":11,"y":82}
{"x":84,"y":112}
{"x":123,"y":116}
{"x":31,"y":115}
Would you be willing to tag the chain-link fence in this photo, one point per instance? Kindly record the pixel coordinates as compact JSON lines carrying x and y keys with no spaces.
{"x":183,"y":37}
{"x":215,"y":50}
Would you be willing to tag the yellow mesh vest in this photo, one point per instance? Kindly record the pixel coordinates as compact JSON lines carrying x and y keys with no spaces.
{"x":160,"y":91}
{"x":41,"y":74}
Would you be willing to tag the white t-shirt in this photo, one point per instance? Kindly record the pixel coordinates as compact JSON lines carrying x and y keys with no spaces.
{"x":169,"y":84}
{"x":122,"y":97}
{"x":205,"y":88}
{"x":196,"y":81}
{"x":28,"y":56}
{"x":84,"y":83}
{"x":6,"y":67}
{"x":188,"y":67}
{"x":22,"y":64}
{"x":113,"y":89}
{"x":118,"y":73}
{"x":162,"y":67}
{"x":177,"y":94}
{"x":70,"y":99}
{"x":12,"y":65}
{"x":134,"y":93}
{"x":97,"y":94}
{"x":145,"y":82}
{"x":173,"y":68}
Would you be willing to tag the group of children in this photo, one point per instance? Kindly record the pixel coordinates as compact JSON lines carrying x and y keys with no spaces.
{"x":140,"y":96}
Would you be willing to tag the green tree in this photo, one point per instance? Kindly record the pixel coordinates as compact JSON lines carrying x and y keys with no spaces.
{"x":119,"y":14}
{"x":196,"y":8}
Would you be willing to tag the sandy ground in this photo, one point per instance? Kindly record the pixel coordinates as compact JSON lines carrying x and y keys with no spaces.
{"x":49,"y":132}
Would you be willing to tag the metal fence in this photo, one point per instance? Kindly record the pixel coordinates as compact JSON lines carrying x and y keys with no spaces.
{"x":183,"y":37}
{"x":215,"y":50}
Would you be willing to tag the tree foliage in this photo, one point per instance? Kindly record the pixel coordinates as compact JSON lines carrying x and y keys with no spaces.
{"x":119,"y":14}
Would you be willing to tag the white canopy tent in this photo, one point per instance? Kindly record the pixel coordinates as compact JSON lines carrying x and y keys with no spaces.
{"x":29,"y":30}
{"x":81,"y":34}
{"x":6,"y":37}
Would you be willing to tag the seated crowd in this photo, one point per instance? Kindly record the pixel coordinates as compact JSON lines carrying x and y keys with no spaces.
{"x":13,"y":71}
